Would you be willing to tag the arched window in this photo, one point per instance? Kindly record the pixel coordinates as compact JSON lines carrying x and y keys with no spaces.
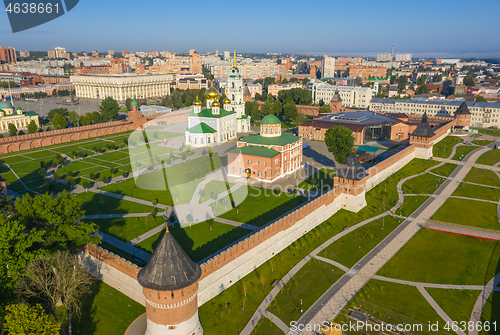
{"x":232,"y":86}
{"x":271,"y":130}
{"x":233,"y":98}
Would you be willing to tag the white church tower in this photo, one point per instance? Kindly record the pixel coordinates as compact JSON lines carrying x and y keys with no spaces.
{"x":234,"y":92}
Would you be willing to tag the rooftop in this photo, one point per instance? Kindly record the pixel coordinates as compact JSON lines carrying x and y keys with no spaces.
{"x":357,"y":117}
{"x":208,"y":113}
{"x":259,"y":151}
{"x":284,"y":139}
{"x":202,"y":128}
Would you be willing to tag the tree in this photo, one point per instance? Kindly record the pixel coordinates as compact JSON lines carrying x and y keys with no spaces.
{"x":74,"y":118}
{"x":56,"y":176}
{"x":339,"y":141}
{"x":412,"y":87}
{"x":12,"y":129}
{"x":124,"y":174}
{"x":203,"y":152}
{"x":468,"y":81}
{"x":57,"y":111}
{"x":59,"y":122}
{"x":422,"y":89}
{"x":59,"y":218}
{"x":70,"y":180}
{"x":290,"y":111}
{"x":26,"y":319}
{"x":325,"y":109}
{"x":92,"y":175}
{"x":42,"y":172}
{"x":86,"y":183}
{"x":481,"y":99}
{"x":58,"y":280}
{"x":32,"y":127}
{"x":402,"y":81}
{"x":421,"y":80}
{"x":85,"y":119}
{"x":109,"y":109}
{"x":105,"y":179}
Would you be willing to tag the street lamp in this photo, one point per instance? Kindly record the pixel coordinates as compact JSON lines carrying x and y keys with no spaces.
{"x":359,"y":251}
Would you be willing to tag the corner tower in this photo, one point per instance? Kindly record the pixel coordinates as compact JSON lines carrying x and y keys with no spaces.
{"x":170,"y":286}
{"x":462,"y":115}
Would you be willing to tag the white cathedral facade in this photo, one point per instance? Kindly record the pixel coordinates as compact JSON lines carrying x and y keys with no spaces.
{"x":215,"y":124}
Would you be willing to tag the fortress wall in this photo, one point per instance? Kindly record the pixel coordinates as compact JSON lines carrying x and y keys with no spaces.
{"x":113,"y":270}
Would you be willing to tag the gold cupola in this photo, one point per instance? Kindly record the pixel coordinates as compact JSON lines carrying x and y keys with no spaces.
{"x":212,"y":93}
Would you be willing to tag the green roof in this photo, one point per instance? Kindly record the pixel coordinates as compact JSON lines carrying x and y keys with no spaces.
{"x":244,"y":117}
{"x":19,"y":108}
{"x":202,"y":128}
{"x":256,"y":151}
{"x":208,"y":113}
{"x":284,"y":139}
{"x":134,"y":102}
{"x":270,"y":119}
{"x":30,"y":113}
{"x":5,"y":104}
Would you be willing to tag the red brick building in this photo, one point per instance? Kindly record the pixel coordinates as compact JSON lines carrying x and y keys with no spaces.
{"x":366,"y":72}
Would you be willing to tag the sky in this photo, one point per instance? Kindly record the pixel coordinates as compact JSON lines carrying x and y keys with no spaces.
{"x":442,"y":28}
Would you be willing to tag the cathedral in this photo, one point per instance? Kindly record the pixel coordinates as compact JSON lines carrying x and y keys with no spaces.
{"x":216,"y":124}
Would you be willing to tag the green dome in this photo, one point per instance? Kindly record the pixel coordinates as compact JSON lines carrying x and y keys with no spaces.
{"x":270,"y":119}
{"x":6,"y":105}
{"x":134,"y":103}
{"x":19,"y":108}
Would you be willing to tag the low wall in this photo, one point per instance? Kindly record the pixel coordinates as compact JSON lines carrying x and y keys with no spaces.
{"x":113,"y":270}
{"x":387,"y":167}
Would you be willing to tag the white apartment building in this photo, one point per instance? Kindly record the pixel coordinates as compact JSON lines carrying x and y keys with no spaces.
{"x":352,"y":96}
{"x":328,"y":67}
{"x":402,"y":57}
{"x":484,"y":114}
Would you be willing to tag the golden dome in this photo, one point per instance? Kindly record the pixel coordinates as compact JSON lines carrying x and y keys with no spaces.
{"x":216,"y":104}
{"x":226,"y":101}
{"x":212,"y":93}
{"x":197,"y":102}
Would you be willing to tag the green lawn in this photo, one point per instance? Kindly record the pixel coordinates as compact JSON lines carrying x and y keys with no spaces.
{"x":105,"y":311}
{"x":212,"y":190}
{"x":482,"y":176}
{"x":126,"y":229}
{"x":457,"y":304}
{"x":445,"y":170}
{"x":477,"y":192}
{"x":444,"y":148}
{"x":347,"y":250}
{"x":260,"y":206}
{"x":463,"y":151}
{"x":94,"y":203}
{"x":307,"y":285}
{"x":424,"y":184}
{"x":266,"y":327}
{"x":321,"y":179}
{"x":452,"y":259}
{"x":490,"y":157}
{"x":482,"y":142}
{"x":410,"y":205}
{"x":468,"y":213}
{"x":393,"y":303}
{"x":491,"y":313}
{"x":129,"y":188}
{"x":199,"y":241}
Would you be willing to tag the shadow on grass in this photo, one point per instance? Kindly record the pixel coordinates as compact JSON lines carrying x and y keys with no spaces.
{"x":495,"y":304}
{"x":274,"y":213}
{"x":84,"y":323}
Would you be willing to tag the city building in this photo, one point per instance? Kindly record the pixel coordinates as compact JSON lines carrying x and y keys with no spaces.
{"x":352,"y":96}
{"x":266,"y":156}
{"x":483,"y":114}
{"x":152,"y":110}
{"x":111,"y":52}
{"x":366,"y":126}
{"x":384,"y":57}
{"x":328,"y":67}
{"x":274,"y":89}
{"x":402,"y":57}
{"x":15,"y":116}
{"x":234,"y":94}
{"x":187,"y":82}
{"x":122,"y":86}
{"x":227,"y":56}
{"x":124,"y":53}
{"x":253,"y":89}
{"x":366,"y":72}
{"x":7,"y":55}
{"x":24,"y":54}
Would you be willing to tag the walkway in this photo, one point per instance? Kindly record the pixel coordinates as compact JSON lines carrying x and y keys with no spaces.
{"x":124,"y":197}
{"x":337,"y":297}
{"x":125,"y":246}
{"x":236,"y":224}
{"x":481,"y":301}
{"x":453,"y":228}
{"x":116,"y":216}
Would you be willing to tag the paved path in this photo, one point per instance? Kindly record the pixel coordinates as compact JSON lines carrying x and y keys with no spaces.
{"x":335,"y":299}
{"x":15,"y":174}
{"x":337,"y":264}
{"x":481,"y":301}
{"x":475,"y":199}
{"x":489,"y":234}
{"x":437,"y":308}
{"x":125,"y":246}
{"x":148,"y":234}
{"x":116,"y":216}
{"x":277,"y":321}
{"x":236,"y":223}
{"x":124,"y":197}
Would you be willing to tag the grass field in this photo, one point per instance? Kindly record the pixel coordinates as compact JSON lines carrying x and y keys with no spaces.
{"x":319,"y":180}
{"x":351,"y":248}
{"x":126,"y":229}
{"x":463,"y":151}
{"x":477,"y":192}
{"x":458,"y":304}
{"x":266,"y":327}
{"x":482,"y":142}
{"x":454,"y":259}
{"x":468,"y":213}
{"x":105,"y":311}
{"x":445,"y":170}
{"x":310,"y":282}
{"x":199,"y":241}
{"x":491,"y":313}
{"x":490,"y":157}
{"x":424,"y":184}
{"x":444,"y":147}
{"x":483,"y":177}
{"x":393,"y":303}
{"x":94,"y":204}
{"x":410,"y":205}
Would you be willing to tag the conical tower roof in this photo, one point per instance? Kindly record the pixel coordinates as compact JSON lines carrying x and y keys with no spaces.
{"x":170,"y":268}
{"x":246,"y":91}
{"x":463,"y":109}
{"x":336,"y":97}
{"x":352,"y":168}
{"x":423,"y":129}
